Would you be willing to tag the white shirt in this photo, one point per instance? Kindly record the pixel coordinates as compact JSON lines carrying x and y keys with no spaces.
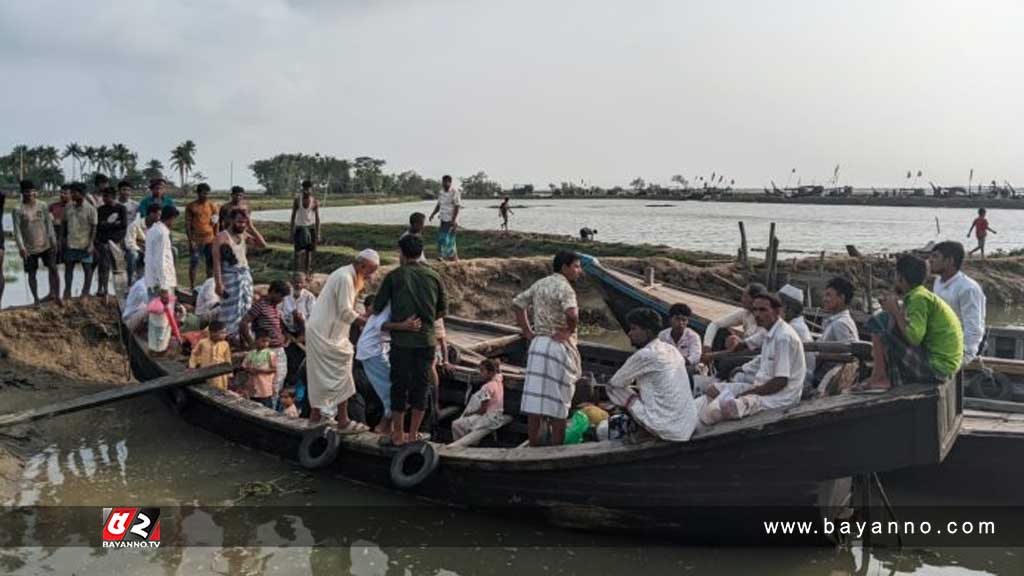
{"x":160,"y":258}
{"x":136,"y":233}
{"x":448,"y":201}
{"x":782,"y":356}
{"x":136,"y":301}
{"x":374,"y":341}
{"x":303,"y":304}
{"x":334,"y":310}
{"x":967,"y":299}
{"x":839,"y":327}
{"x":207,"y":301}
{"x":688,"y":344}
{"x":799,"y":326}
{"x":665,"y":406}
{"x":753,"y":335}
{"x":131,"y":208}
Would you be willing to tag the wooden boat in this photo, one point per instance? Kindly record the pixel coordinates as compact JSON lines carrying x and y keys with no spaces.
{"x":989,"y":432}
{"x":699,"y":491}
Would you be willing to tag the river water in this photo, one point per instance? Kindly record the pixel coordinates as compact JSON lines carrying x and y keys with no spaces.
{"x":139,"y":453}
{"x":712,"y":226}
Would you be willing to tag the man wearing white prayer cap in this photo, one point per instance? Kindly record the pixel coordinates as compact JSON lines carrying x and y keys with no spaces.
{"x":329,"y":352}
{"x":793,"y":312}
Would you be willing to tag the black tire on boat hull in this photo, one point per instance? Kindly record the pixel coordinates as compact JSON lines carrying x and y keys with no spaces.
{"x":319,"y":448}
{"x":406,"y":479}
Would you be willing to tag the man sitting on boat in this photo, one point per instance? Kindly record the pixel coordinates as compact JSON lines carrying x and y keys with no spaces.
{"x":680,"y":335}
{"x":661,"y":401}
{"x":961,"y":292}
{"x":553,"y":364}
{"x":793,"y":312}
{"x":774,"y":379}
{"x":918,"y":343}
{"x":744,"y":317}
{"x":839,"y":327}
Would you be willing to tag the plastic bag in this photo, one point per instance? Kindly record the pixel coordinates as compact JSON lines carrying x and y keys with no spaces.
{"x":577,"y":426}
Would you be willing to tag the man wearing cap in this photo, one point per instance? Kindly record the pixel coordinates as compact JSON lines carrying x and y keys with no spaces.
{"x":329,"y":352}
{"x":774,"y":379}
{"x":417,"y":299}
{"x":36,"y":240}
{"x":793,"y":312}
{"x":653,"y":385}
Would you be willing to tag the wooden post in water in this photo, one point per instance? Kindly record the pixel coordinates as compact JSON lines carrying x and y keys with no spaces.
{"x":775,"y":264}
{"x":744,"y":257}
{"x":871,"y":286}
{"x":769,"y":256}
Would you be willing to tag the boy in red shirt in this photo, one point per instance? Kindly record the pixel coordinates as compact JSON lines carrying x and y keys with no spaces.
{"x":981,"y":229}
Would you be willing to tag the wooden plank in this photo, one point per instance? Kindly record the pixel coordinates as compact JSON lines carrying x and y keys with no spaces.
{"x":702,"y":306}
{"x":994,"y":405}
{"x":184,"y":378}
{"x":1001,"y":365}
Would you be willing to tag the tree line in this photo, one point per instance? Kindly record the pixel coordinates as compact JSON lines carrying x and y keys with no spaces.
{"x":44,"y":164}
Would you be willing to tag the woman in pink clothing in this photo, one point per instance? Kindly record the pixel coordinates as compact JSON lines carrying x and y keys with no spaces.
{"x":486,"y":406}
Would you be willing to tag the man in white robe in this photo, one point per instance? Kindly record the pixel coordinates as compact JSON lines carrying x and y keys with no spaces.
{"x":329,"y":352}
{"x":662,"y":401}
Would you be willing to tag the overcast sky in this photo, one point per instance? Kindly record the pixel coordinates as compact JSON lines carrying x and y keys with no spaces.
{"x":532,"y":90}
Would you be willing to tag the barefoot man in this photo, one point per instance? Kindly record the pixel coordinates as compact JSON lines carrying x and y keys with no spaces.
{"x":329,"y":352}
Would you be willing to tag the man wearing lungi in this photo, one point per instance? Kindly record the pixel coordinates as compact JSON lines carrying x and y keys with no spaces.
{"x":329,"y":352}
{"x":449,"y":203}
{"x":232,"y":277}
{"x":553,"y":365}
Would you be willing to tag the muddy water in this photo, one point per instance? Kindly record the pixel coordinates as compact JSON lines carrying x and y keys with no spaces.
{"x":139,"y":453}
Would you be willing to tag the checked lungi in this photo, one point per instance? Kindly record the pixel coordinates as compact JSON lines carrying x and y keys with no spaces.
{"x":237,"y":296}
{"x":906,"y":364}
{"x":552,"y":370}
{"x":446,"y":241}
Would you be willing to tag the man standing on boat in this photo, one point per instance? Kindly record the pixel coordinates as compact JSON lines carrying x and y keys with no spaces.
{"x":774,"y":379}
{"x":553,"y":365}
{"x":449,"y":203}
{"x":416,"y":295}
{"x":305,"y":228}
{"x":329,"y":351}
{"x":918,"y":343}
{"x":232,"y":277}
{"x":961,"y":292}
{"x":661,"y":401}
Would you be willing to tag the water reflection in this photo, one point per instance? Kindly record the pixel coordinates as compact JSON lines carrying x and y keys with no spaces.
{"x":162,"y":461}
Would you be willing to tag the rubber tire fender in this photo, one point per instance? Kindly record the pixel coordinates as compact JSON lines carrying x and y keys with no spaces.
{"x":310,"y":455}
{"x":406,"y":481}
{"x":975,"y":386}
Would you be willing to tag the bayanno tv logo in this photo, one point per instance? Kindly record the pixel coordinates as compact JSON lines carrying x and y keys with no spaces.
{"x":131,"y":527}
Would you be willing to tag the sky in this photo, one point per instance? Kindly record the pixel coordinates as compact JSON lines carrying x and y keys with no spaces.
{"x":532,"y":91}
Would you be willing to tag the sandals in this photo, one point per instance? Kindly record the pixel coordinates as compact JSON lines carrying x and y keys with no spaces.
{"x":353,"y":427}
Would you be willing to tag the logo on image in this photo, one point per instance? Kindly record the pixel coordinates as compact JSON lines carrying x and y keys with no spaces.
{"x":131,"y":527}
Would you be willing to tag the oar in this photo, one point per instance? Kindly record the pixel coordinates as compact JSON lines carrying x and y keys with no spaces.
{"x":185,"y":378}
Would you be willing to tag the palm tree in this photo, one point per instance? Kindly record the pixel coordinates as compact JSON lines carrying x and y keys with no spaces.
{"x":89,"y":152}
{"x":75,"y":152}
{"x":120,"y":157}
{"x":103,"y":159}
{"x":183,"y":159}
{"x":154,"y":169}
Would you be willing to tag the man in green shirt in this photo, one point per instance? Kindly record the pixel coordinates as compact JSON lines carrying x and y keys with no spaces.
{"x":417,"y":299}
{"x":920,"y":343}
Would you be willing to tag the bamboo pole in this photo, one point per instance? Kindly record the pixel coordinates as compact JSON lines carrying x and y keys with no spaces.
{"x":744,"y":256}
{"x":770,"y":256}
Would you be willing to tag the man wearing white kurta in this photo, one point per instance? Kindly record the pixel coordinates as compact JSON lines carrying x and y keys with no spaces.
{"x":329,"y":352}
{"x":661,"y":402}
{"x":961,"y":292}
{"x":793,"y":312}
{"x":774,"y":379}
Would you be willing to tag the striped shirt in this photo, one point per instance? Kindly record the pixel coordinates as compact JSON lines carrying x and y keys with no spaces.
{"x":266,"y":319}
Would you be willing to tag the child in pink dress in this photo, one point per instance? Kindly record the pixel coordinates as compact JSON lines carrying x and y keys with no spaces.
{"x":260,"y":364}
{"x":486,"y":406}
